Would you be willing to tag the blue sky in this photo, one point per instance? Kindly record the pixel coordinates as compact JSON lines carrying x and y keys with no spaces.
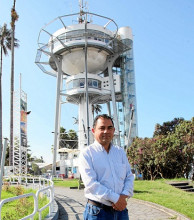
{"x":163,"y":52}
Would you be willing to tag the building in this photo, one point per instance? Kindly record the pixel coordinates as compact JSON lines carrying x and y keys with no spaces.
{"x":93,"y":63}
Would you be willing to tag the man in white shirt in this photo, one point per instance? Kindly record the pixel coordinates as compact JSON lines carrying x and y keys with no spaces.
{"x":106,"y":174}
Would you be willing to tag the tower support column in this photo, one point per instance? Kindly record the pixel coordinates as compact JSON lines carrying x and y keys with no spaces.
{"x":111,"y":60}
{"x":58,"y":62}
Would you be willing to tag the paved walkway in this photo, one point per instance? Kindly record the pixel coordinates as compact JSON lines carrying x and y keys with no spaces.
{"x":71,"y":203}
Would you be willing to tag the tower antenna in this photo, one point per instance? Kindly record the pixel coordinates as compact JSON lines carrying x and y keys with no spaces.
{"x":81,"y":6}
{"x":80,"y":19}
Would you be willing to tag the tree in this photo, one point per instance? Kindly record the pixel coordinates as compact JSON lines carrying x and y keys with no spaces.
{"x":63,"y":137}
{"x":166,"y":156}
{"x":5,"y":41}
{"x":68,"y":139}
{"x":38,"y":160}
{"x":76,"y":120}
{"x":185,"y":133}
{"x":73,"y":143}
{"x":29,"y":154}
{"x":7,"y":155}
{"x":14,"y":18}
{"x":35,"y":168}
{"x":167,"y":127}
{"x":96,"y":108}
{"x":5,"y":44}
{"x":141,"y":155}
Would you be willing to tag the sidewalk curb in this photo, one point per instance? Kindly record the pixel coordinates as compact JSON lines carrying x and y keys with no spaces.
{"x":54,"y":213}
{"x":164,"y":209}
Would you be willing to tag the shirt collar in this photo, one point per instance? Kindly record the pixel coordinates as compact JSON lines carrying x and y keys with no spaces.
{"x":98,"y":145}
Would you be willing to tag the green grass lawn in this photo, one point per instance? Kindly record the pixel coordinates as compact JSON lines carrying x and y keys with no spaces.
{"x":158,"y":192}
{"x":66,"y":182}
{"x":166,"y":195}
{"x":19,"y":208}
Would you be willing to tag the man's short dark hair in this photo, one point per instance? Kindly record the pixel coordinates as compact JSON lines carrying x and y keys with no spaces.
{"x":105,"y":116}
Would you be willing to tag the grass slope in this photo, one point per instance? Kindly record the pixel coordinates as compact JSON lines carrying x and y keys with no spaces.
{"x":166,"y":195}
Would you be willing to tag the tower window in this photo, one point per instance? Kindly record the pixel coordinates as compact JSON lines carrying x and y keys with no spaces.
{"x":95,"y":83}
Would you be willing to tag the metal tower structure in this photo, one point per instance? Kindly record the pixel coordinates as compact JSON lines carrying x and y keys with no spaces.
{"x":93,"y":63}
{"x":20,"y":132}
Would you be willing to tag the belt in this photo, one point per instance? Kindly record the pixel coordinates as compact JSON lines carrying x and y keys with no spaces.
{"x":100,"y":205}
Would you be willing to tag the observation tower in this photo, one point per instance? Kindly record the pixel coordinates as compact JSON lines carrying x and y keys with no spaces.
{"x":92,"y":60}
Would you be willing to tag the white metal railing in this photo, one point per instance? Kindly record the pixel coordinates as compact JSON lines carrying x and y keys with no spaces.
{"x":42,"y":185}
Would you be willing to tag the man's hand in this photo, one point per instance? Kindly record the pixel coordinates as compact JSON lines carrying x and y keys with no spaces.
{"x":121,"y":204}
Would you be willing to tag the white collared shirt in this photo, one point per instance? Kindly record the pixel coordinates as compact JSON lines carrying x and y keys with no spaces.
{"x":105,"y":175}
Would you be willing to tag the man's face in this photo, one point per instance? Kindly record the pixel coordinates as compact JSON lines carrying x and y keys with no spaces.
{"x":104,"y":131}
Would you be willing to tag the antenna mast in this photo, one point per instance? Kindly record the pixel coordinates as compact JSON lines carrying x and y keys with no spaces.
{"x":81,"y":20}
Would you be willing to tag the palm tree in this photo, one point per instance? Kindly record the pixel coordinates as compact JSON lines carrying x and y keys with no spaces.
{"x":96,"y":108}
{"x":68,"y":139}
{"x":5,"y":44}
{"x":76,"y":120}
{"x":63,"y":137}
{"x":14,"y":18}
{"x":73,"y":139}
